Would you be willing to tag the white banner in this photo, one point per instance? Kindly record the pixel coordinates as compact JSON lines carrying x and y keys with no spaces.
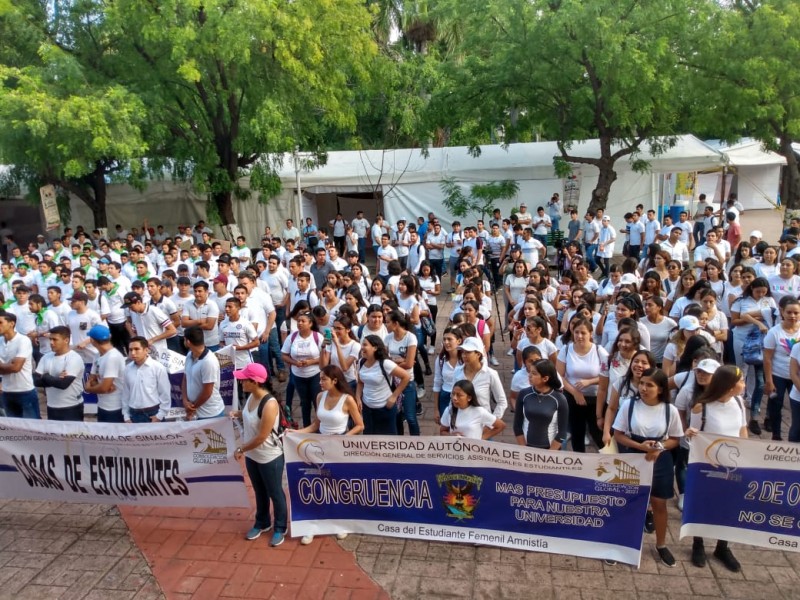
{"x":153,"y":464}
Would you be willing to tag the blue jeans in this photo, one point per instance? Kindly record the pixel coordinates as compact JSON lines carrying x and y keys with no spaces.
{"x":775,"y":406}
{"x":453,"y":265}
{"x":543,"y":240}
{"x":556,"y":221}
{"x":273,"y":351}
{"x":681,"y":465}
{"x":410,"y":408}
{"x":268,"y":488}
{"x":380,"y":421}
{"x":22,"y":405}
{"x":590,"y":250}
{"x":221,"y":414}
{"x":437,"y":265}
{"x":444,"y":401}
{"x":109,"y":416}
{"x":362,"y":249}
{"x":143,"y":415}
{"x":280,"y":317}
{"x":758,"y":391}
{"x":307,"y":390}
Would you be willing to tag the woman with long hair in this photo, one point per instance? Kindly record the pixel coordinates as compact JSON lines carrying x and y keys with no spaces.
{"x":769,"y":263}
{"x":778,"y":345}
{"x":444,"y":369}
{"x":658,"y":326}
{"x":377,"y":393}
{"x":402,"y":345}
{"x":532,"y":334}
{"x":692,"y":296}
{"x":622,"y":389}
{"x":686,"y":281}
{"x":330,"y":302}
{"x":579,"y":365}
{"x":608,"y":288}
{"x":302,"y":350}
{"x":544,"y":408}
{"x":743,"y":256}
{"x":647,"y":423}
{"x":336,"y":406}
{"x":626,"y":307}
{"x":376,"y":290}
{"x":354,"y":299}
{"x":658,"y":263}
{"x":431,"y":285}
{"x":486,"y":381}
{"x":342,"y":350}
{"x":617,"y":365}
{"x":263,"y":452}
{"x":465,"y":417}
{"x":717,"y":322}
{"x":673,"y":278}
{"x":719,"y":410}
{"x":786,"y":282}
{"x":715,"y":275}
{"x":515,"y":283}
{"x":688,"y":327}
{"x":651,"y":286}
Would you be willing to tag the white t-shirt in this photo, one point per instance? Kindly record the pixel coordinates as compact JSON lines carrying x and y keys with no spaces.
{"x":72,"y":363}
{"x":649,"y":421}
{"x":659,"y":335}
{"x":18,"y":346}
{"x":209,"y":310}
{"x":543,"y":224}
{"x":470,"y":421}
{"x":376,"y":391}
{"x":199,"y":372}
{"x":388,"y":252}
{"x":783,"y":287}
{"x":722,"y":418}
{"x":79,"y":326}
{"x":300,"y":348}
{"x":398,"y":349}
{"x":238,"y":333}
{"x":350,"y":349}
{"x":110,"y":366}
{"x":587,"y":366}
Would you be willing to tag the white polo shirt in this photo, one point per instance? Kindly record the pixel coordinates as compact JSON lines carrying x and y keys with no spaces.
{"x":18,"y":346}
{"x":110,"y":365}
{"x":198,"y":372}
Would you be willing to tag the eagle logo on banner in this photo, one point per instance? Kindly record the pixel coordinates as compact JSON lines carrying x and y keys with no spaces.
{"x":459,"y":495}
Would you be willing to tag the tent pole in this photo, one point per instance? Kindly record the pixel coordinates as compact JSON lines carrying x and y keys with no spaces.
{"x":297,"y":186}
{"x":722,"y":195}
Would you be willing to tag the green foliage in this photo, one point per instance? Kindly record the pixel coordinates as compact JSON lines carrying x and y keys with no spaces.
{"x":481,"y":200}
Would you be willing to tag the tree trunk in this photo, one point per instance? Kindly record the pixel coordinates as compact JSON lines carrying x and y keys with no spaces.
{"x":100,"y":196}
{"x":790,"y":186}
{"x":224,"y":203}
{"x":605,"y":179}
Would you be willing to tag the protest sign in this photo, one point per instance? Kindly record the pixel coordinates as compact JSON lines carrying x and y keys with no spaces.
{"x":52,"y":218}
{"x":756,"y":487}
{"x":461,"y":490}
{"x":175,"y":364}
{"x":153,"y":464}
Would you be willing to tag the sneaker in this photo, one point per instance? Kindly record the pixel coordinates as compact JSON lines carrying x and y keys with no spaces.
{"x":680,"y":502}
{"x":767,"y":426}
{"x":341,"y":536}
{"x":428,"y":370}
{"x":277,"y":539}
{"x":649,"y":523}
{"x":510,"y":352}
{"x":431,"y":350}
{"x":754,"y":427}
{"x":698,"y":554}
{"x":419,"y":408}
{"x":666,"y":556}
{"x":727,"y":558}
{"x":494,"y":362}
{"x":255,"y":533}
{"x":306,"y":540}
{"x":610,"y":563}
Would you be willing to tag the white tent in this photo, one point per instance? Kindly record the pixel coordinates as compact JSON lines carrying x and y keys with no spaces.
{"x":409,"y":183}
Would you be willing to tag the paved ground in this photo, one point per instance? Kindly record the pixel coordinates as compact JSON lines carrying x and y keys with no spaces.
{"x":59,"y":551}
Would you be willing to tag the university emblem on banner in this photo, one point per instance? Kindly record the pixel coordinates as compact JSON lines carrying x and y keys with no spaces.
{"x":459,"y":494}
{"x":312,"y":454}
{"x":209,"y":447}
{"x":618,"y":471}
{"x":723,"y":454}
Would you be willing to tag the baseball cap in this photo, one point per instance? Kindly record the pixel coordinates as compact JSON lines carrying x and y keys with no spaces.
{"x":223,"y":279}
{"x":523,"y":204}
{"x":606,"y":218}
{"x":99,"y":333}
{"x":132,"y":298}
{"x":105,"y":260}
{"x":628,"y":278}
{"x":352,"y":253}
{"x":254,"y":371}
{"x":472,"y":344}
{"x":689,"y":323}
{"x":515,"y":247}
{"x":756,"y":233}
{"x":708,"y":365}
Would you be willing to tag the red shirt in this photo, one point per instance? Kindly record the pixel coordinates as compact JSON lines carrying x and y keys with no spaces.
{"x":734,"y":235}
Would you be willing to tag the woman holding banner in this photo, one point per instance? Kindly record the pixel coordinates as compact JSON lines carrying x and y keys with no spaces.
{"x":377,"y":392}
{"x":263,"y":452}
{"x":719,"y":410}
{"x":465,"y":417}
{"x":647,"y":423}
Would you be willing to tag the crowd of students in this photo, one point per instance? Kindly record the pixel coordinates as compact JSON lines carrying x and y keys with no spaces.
{"x":632,"y":357}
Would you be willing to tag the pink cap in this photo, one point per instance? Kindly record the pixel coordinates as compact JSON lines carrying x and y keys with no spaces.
{"x":254,"y":371}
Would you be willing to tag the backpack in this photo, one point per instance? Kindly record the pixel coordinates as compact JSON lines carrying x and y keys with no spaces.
{"x":389,"y":380}
{"x":753,"y":348}
{"x":285,"y":420}
{"x":703,"y":417}
{"x":293,"y":337}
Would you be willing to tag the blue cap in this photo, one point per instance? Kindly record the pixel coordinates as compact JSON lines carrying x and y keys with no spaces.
{"x":99,"y":333}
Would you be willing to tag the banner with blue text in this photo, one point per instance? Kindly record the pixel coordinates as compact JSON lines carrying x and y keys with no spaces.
{"x":471,"y":491}
{"x":744,"y":491}
{"x":153,"y":464}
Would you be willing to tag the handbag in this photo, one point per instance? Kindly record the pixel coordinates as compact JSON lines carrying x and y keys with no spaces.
{"x":428,"y":326}
{"x":753,"y":348}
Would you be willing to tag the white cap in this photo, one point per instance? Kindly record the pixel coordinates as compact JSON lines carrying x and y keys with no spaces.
{"x":756,"y":234}
{"x":472,"y":344}
{"x":708,"y":365}
{"x":628,"y":278}
{"x":606,"y":218}
{"x":689,"y":323}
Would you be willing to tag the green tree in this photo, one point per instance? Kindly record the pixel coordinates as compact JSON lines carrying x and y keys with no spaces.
{"x":234,"y":84}
{"x":568,"y":70}
{"x":62,"y":124}
{"x":482,"y":198}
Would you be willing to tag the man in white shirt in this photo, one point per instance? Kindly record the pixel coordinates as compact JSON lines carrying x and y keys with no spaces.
{"x":686,"y":229}
{"x":416,"y":254}
{"x":605,"y":246}
{"x":20,"y":399}
{"x":149,"y":322}
{"x":591,"y":235}
{"x":541,"y":226}
{"x":675,"y":247}
{"x":651,"y":228}
{"x":435,"y":244}
{"x":105,"y":379}
{"x":636,"y":234}
{"x":290,"y":232}
{"x":455,"y":241}
{"x":238,"y":333}
{"x":26,"y":321}
{"x":204,"y":314}
{"x":201,"y":380}
{"x":80,"y":320}
{"x":361,"y":227}
{"x":531,"y":248}
{"x":711,"y":249}
{"x":60,"y":373}
{"x":524,"y":218}
{"x":146,"y":391}
{"x":401,"y":242}
{"x":386,"y":254}
{"x":376,"y":233}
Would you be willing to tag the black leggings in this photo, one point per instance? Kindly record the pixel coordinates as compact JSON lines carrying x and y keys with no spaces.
{"x":581,"y":418}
